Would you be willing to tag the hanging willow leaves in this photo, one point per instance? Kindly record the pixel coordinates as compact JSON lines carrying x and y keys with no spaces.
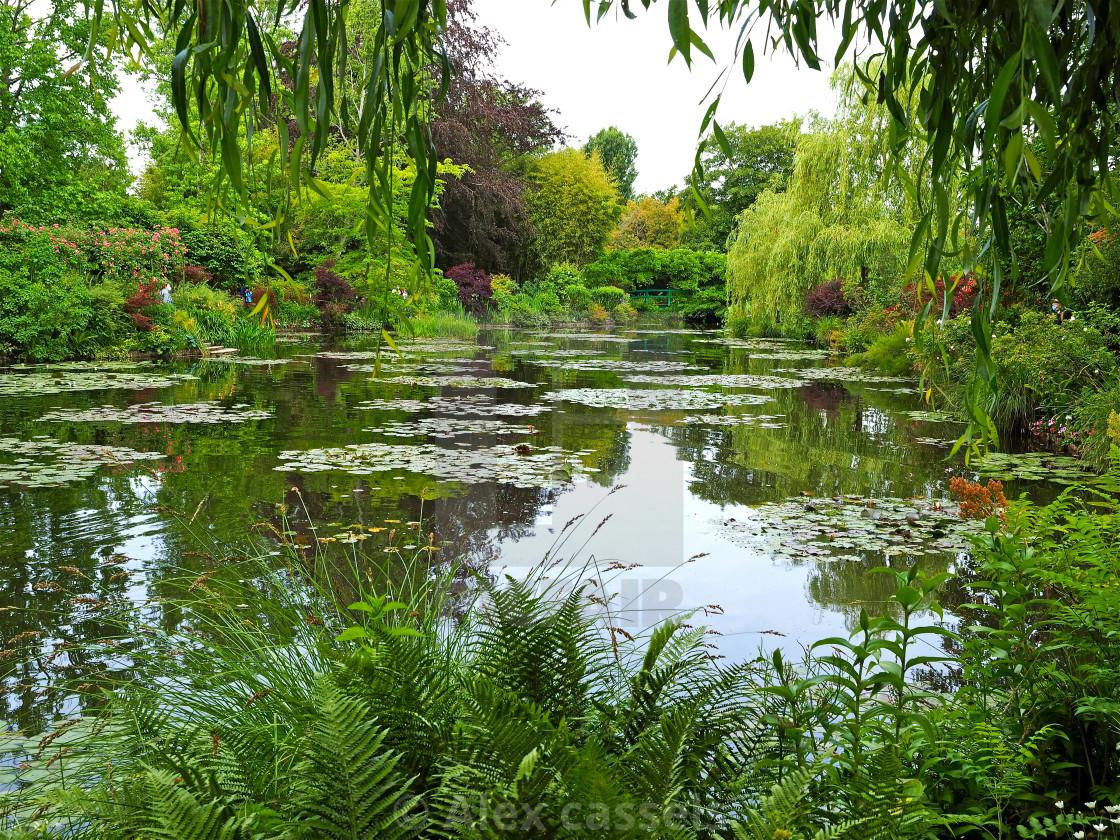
{"x":227,"y":61}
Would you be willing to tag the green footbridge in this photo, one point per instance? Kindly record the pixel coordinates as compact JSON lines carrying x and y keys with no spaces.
{"x":660,"y":298}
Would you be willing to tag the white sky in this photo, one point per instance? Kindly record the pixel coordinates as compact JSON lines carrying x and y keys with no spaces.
{"x":616,"y":73}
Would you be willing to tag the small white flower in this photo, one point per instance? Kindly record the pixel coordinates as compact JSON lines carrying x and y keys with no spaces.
{"x":1112,"y":809}
{"x":1092,"y":804}
{"x":1079,"y":835}
{"x":1100,"y":827}
{"x":1115,"y":820}
{"x":1061,"y":803}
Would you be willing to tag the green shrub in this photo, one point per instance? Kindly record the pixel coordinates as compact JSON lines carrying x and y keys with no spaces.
{"x":624,"y":313}
{"x":577,"y":298}
{"x":1098,"y":277}
{"x":223,"y":249}
{"x":45,"y":307}
{"x":549,"y":303}
{"x":608,"y":297}
{"x":597,"y":315}
{"x":564,"y":274}
{"x":445,"y":325}
{"x":889,"y":353}
{"x":866,"y":327}
{"x":447,"y":293}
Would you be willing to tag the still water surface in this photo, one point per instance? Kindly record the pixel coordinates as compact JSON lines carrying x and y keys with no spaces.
{"x":760,"y":456}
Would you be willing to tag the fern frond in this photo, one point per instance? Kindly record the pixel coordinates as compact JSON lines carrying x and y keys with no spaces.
{"x":347,"y":787}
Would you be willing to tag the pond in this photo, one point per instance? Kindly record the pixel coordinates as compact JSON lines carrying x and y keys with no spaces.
{"x":758,"y":481}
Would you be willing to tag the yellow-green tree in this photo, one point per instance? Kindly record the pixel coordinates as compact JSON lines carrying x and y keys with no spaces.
{"x":574,"y":206}
{"x":648,"y":223}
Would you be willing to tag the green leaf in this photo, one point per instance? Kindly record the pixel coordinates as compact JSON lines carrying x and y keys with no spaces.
{"x":748,"y":61}
{"x":351,"y":633}
{"x":679,"y":29}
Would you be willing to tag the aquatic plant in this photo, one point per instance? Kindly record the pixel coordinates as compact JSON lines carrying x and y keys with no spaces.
{"x":522,"y":465}
{"x":652,"y":400}
{"x":153,"y":412}
{"x":89,"y":379}
{"x":44,"y":462}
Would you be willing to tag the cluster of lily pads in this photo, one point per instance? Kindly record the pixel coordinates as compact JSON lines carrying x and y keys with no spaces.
{"x":153,"y":412}
{"x":449,"y":427}
{"x":840,"y":374}
{"x":760,"y":421}
{"x":850,"y":528}
{"x":669,"y":399}
{"x":619,"y":365}
{"x":44,"y":462}
{"x":415,"y":369}
{"x":479,"y":405}
{"x":252,"y":361}
{"x":521,"y":466}
{"x":55,"y":381}
{"x":723,"y":380}
{"x":450,"y":381}
{"x":930,"y":416}
{"x":1041,"y":466}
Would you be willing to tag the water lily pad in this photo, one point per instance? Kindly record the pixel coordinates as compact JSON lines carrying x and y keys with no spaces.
{"x":478,"y":405}
{"x":723,"y":380}
{"x":652,"y":400}
{"x":841,"y":374}
{"x":761,"y":421}
{"x":533,"y":467}
{"x":448,"y":427}
{"x":931,"y":416}
{"x":43,"y":462}
{"x":61,"y":382}
{"x":835,"y":527}
{"x":153,"y":412}
{"x":619,"y":365}
{"x":457,"y":382}
{"x":230,"y":359}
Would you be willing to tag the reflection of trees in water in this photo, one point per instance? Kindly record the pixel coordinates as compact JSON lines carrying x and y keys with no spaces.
{"x":57,"y":552}
{"x":848,"y":586}
{"x":823,"y":447}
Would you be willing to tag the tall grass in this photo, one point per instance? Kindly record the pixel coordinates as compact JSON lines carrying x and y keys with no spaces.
{"x":458,"y":324}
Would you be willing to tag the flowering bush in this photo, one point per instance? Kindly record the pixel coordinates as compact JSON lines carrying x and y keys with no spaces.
{"x":963,"y":289}
{"x":978,"y":501}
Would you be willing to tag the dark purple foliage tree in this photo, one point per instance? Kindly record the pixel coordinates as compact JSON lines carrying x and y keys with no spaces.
{"x":491,"y":125}
{"x":828,"y":299}
{"x":474,"y":288}
{"x":333,"y":295}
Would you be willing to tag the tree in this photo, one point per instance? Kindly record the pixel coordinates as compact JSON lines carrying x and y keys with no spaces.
{"x":760,"y":159}
{"x":573,"y":208}
{"x":618,"y":152}
{"x":61,"y":156}
{"x":648,"y":223}
{"x":490,"y":125}
{"x":841,"y":215}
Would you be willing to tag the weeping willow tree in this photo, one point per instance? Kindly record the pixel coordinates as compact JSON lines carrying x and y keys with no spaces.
{"x":845,"y":214}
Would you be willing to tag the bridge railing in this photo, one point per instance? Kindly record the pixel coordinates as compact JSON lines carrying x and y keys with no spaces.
{"x":661,"y":298}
